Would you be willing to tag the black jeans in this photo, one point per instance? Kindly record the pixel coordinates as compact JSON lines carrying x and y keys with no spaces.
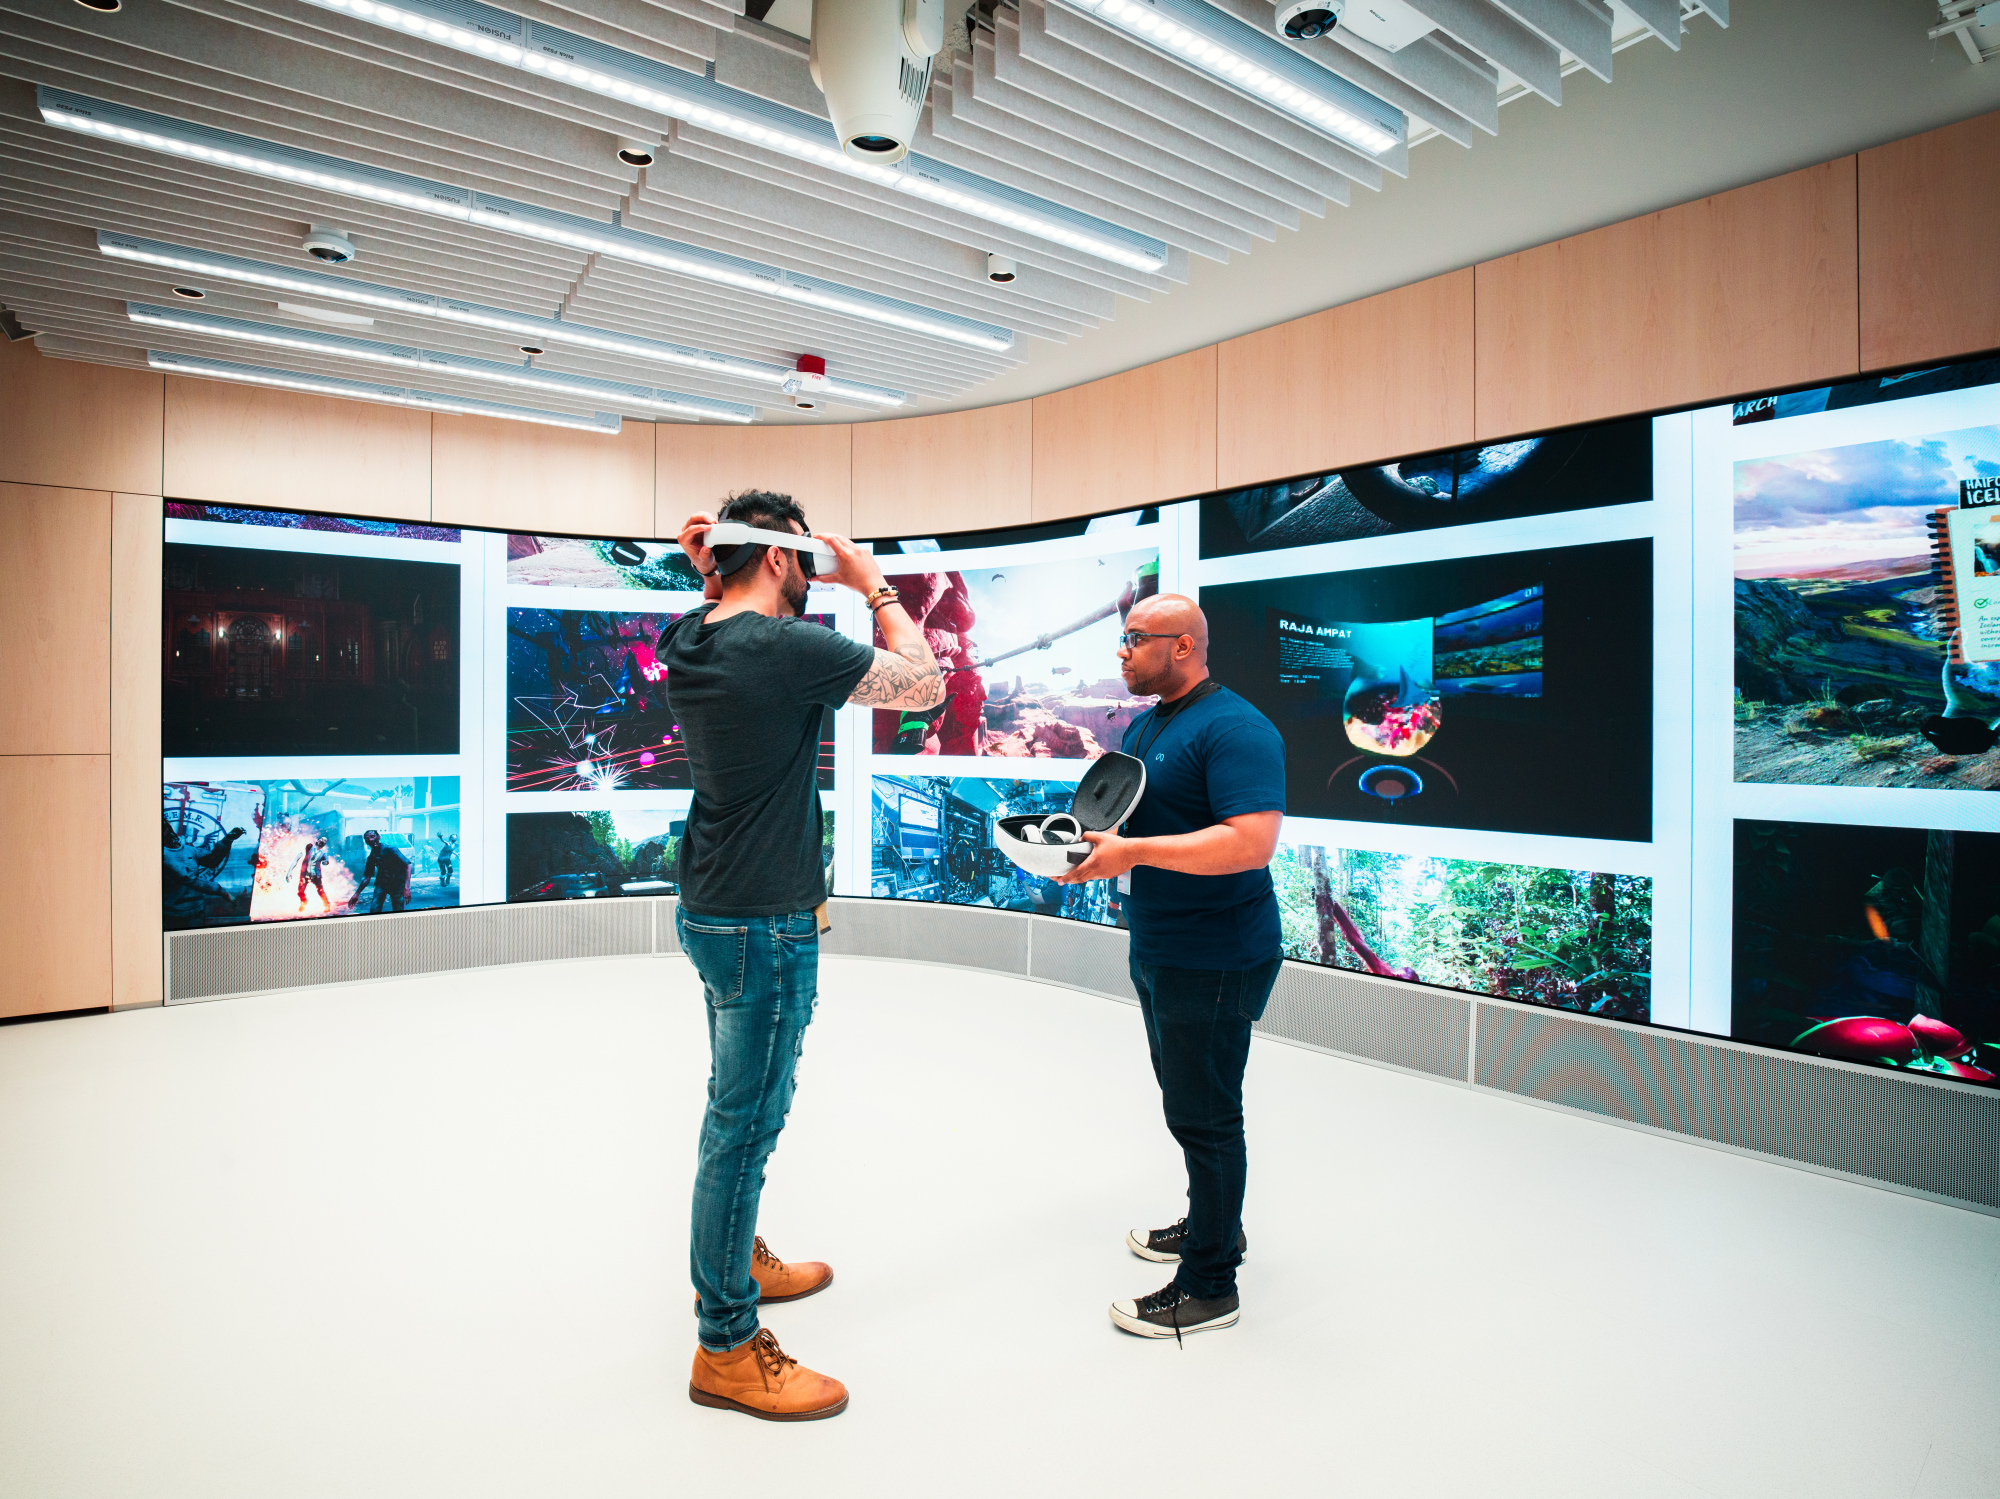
{"x":1198,"y":1030}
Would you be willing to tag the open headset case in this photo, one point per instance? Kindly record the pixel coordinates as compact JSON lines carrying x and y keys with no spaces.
{"x":1103,"y":799}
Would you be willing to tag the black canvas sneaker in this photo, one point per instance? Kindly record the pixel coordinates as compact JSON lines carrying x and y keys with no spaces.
{"x":1170,"y":1312}
{"x":1164,"y":1244}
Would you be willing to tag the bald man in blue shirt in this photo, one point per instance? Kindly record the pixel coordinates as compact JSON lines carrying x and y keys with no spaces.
{"x":1206,"y":944}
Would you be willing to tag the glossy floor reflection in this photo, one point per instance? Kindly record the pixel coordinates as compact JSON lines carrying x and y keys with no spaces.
{"x":428,"y":1238}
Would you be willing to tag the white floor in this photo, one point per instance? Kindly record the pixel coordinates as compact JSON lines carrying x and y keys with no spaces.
{"x":428,"y":1239}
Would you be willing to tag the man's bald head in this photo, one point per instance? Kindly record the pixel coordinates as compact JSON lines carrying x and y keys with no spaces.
{"x":1173,"y":656}
{"x":1172,"y":614}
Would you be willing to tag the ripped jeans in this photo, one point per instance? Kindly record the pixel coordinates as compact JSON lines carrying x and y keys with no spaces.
{"x":760,"y":975}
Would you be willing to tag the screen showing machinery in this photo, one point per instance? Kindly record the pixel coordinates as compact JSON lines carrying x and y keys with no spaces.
{"x":1666,"y":720}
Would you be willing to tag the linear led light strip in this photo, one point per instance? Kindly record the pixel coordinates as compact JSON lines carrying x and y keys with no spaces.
{"x":510,"y":39}
{"x":338,"y":346}
{"x":282,"y":163}
{"x":389,"y":395}
{"x":1225,"y":48}
{"x":417,"y":304}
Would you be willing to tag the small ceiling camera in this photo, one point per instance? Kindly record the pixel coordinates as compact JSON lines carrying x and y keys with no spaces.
{"x":635,"y":153}
{"x":1303,"y":20}
{"x":329,"y":245}
{"x":999,"y":269}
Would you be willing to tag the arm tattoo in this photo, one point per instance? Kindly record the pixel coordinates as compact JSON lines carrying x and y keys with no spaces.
{"x":900,"y":679}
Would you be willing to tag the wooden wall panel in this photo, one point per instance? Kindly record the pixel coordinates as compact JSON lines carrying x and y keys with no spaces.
{"x":135,"y":751}
{"x":698,"y":467}
{"x":55,"y":887}
{"x":1133,"y":439}
{"x":960,"y":471}
{"x":1739,"y":292}
{"x":55,"y":619}
{"x":1930,"y":245}
{"x":1387,"y":375}
{"x":242,"y":445}
{"x":75,"y":425}
{"x":487,"y":472}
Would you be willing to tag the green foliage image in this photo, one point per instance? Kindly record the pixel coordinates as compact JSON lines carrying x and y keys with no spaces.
{"x":1567,"y":938}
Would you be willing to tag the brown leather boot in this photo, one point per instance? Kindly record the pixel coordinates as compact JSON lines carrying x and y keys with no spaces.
{"x":760,"y":1379}
{"x":778,"y":1281}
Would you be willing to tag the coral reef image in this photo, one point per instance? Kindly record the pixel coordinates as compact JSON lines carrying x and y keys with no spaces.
{"x":596,"y":562}
{"x":1566,"y":938}
{"x":287,"y":850}
{"x":297,"y":520}
{"x":1875,"y":945}
{"x":1843,"y":651}
{"x":1030,"y":655}
{"x":932,"y":838}
{"x":1607,"y":465}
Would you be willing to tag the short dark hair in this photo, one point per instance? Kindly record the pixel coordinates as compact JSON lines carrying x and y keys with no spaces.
{"x":765,"y":510}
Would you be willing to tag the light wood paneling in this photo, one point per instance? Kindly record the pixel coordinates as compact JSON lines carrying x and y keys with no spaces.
{"x":135,"y":751}
{"x":515,"y":475}
{"x":1739,"y":292}
{"x":1930,"y":245}
{"x":77,"y":426}
{"x":1133,"y":439}
{"x":241,"y":445}
{"x":55,"y":620}
{"x":699,"y":467}
{"x":1384,"y":376}
{"x":961,"y":471}
{"x":55,"y":885}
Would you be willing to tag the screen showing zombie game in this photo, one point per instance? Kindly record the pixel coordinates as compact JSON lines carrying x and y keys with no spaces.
{"x":1667,"y":721}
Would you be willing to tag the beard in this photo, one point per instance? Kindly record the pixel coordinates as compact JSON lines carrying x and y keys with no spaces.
{"x":795,"y":590}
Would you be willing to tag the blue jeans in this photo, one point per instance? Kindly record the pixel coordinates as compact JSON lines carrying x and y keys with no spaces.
{"x":1198,"y":1030}
{"x":760,"y":975}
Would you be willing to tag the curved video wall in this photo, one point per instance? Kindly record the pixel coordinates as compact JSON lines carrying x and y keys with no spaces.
{"x":1667,"y":720}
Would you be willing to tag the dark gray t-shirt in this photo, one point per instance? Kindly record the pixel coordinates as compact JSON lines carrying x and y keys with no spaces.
{"x":748,"y":694}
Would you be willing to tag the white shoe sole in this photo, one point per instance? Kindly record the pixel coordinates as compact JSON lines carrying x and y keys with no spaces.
{"x":1138,"y":1246}
{"x":1139,"y":1327}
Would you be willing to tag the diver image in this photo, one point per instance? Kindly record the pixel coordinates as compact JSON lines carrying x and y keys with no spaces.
{"x":1607,"y":465}
{"x":1511,"y":692}
{"x":1851,"y":659}
{"x":1568,"y":938}
{"x":282,"y":653}
{"x":286,"y":850}
{"x":1878,"y":945}
{"x":933,"y":840}
{"x":1015,"y":686}
{"x":587,"y":704}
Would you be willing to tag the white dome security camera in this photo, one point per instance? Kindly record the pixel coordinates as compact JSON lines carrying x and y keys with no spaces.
{"x":999,"y":269}
{"x":635,"y":153}
{"x":872,"y":60}
{"x":329,"y":245}
{"x":1303,"y":20}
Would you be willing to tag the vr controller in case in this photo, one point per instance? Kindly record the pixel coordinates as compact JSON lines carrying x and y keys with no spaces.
{"x":1049,"y":844}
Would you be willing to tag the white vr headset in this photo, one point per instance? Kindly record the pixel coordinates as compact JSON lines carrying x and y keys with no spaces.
{"x":739,"y":538}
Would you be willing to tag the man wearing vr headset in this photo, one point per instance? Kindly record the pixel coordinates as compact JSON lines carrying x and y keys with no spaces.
{"x":748,"y":682}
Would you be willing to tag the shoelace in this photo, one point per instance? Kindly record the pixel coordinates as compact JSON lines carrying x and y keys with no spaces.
{"x":1167,"y":1299}
{"x":771,"y":1356}
{"x":762,"y":1251}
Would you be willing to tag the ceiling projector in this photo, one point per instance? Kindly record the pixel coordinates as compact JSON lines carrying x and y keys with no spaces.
{"x":872,"y":60}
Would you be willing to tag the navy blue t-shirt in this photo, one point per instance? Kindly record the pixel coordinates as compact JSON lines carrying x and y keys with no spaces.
{"x":1216,"y":758}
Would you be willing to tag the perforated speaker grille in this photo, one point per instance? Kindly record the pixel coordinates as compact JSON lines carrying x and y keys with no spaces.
{"x":1422,"y":1029}
{"x":1940,"y":1138}
{"x":1083,"y":956}
{"x":297,"y":954}
{"x":929,"y":933}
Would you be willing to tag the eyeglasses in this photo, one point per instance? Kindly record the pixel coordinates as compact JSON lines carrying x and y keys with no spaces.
{"x":1131,"y":638}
